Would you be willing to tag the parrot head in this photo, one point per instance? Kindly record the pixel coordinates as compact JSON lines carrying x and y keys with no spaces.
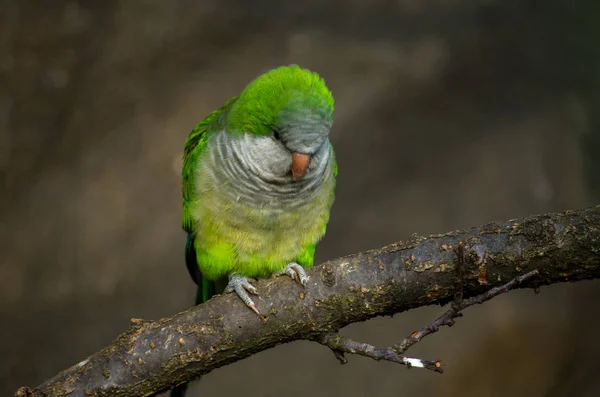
{"x":291,"y":110}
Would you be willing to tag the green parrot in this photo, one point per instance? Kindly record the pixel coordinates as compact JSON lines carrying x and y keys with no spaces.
{"x":258,"y":183}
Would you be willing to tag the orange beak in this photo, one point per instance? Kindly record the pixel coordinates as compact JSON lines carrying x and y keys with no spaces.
{"x":299,"y":164}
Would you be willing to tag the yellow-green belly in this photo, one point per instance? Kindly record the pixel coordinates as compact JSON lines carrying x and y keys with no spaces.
{"x":234,"y":237}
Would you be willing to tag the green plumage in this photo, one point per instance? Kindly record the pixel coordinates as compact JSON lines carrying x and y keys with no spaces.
{"x":194,"y":146}
{"x":285,"y":88}
{"x":226,"y":235}
{"x":243,"y":211}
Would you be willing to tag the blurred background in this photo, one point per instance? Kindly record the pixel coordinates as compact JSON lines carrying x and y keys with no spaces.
{"x":449,"y":114}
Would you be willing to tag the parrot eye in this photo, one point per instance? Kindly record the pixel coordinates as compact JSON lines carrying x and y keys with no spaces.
{"x":276,"y":135}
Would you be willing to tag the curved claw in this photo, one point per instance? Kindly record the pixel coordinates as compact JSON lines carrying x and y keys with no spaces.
{"x":296,"y":272}
{"x":241,"y":285}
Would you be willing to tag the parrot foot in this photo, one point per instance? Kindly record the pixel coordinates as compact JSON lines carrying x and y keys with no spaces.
{"x":296,"y":272}
{"x":241,"y":285}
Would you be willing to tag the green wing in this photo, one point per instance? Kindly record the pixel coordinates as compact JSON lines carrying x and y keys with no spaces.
{"x":194,"y":147}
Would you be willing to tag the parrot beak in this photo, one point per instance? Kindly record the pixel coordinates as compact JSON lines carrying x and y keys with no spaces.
{"x":299,"y":164}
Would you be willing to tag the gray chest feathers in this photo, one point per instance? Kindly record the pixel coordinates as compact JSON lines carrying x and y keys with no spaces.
{"x":244,"y":182}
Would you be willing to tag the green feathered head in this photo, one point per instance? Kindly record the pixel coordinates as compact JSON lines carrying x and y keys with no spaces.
{"x":290,"y":103}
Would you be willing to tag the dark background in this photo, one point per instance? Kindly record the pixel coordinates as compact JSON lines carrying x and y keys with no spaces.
{"x":449,"y":114}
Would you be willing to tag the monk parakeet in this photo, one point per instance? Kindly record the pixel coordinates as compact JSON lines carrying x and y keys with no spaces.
{"x":258,"y":183}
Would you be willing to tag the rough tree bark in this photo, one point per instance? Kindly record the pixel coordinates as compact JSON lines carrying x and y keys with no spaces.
{"x":153,"y":356}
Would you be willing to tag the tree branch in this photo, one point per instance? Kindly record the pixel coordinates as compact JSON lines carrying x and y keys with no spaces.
{"x":154,"y":356}
{"x":340,"y":344}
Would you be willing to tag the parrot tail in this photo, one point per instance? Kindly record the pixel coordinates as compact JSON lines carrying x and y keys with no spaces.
{"x":205,"y":291}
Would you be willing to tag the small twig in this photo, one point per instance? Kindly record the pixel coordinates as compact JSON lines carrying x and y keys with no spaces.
{"x":455,"y":311}
{"x":340,"y":356}
{"x":486,"y":296}
{"x":340,"y":345}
